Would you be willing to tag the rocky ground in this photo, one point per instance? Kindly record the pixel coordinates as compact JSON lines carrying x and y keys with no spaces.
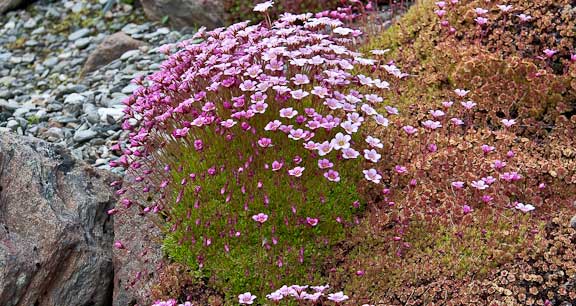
{"x":47,"y":88}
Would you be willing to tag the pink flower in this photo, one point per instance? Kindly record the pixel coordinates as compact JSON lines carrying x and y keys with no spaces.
{"x":260,"y":218}
{"x":510,"y":154}
{"x":276,"y":165}
{"x":461,"y":92}
{"x":324,"y":164}
{"x":440,"y":13}
{"x":487,"y":149}
{"x":498,"y":164}
{"x":480,"y":185}
{"x":118,"y":245}
{"x":300,"y":79}
{"x":487,"y":198}
{"x":374,"y":142}
{"x":457,"y":121}
{"x":299,"y":94}
{"x":228,"y":123}
{"x":248,"y":85}
{"x":391,"y":110}
{"x":549,"y":52}
{"x":489,"y":180}
{"x":320,"y":288}
{"x":524,"y":17}
{"x":247,"y":298}
{"x":410,"y":130}
{"x":524,"y":207}
{"x":372,"y":155}
{"x":466,"y":209}
{"x":505,"y":8}
{"x":481,"y":20}
{"x":381,"y":120}
{"x":320,"y":91}
{"x":332,"y":175}
{"x":400,"y":169}
{"x":573,"y":58}
{"x":296,"y":171}
{"x":337,"y":297}
{"x":468,"y":104}
{"x":432,"y":125}
{"x":325,"y":148}
{"x":288,"y":112}
{"x":447,"y":104}
{"x":508,"y":123}
{"x":341,"y":141}
{"x":312,"y":221}
{"x":274,"y":125}
{"x":179,"y":133}
{"x":372,"y":175}
{"x":263,"y":7}
{"x":480,"y":11}
{"x":510,"y":176}
{"x":264,"y":142}
{"x":437,"y":113}
{"x":275,"y":296}
{"x":458,"y":184}
{"x":349,"y":153}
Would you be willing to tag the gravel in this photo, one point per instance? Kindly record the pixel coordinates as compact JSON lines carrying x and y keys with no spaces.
{"x":42,"y":90}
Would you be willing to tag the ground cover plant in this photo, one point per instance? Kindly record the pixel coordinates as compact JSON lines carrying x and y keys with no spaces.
{"x":392,"y":167}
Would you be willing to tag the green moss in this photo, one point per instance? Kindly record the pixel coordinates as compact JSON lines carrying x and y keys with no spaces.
{"x":249,"y":265}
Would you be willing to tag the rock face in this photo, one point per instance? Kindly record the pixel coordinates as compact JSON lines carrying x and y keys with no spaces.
{"x":187,"y":13}
{"x":6,"y":5}
{"x":55,"y":235}
{"x":136,"y":265}
{"x":110,"y":49}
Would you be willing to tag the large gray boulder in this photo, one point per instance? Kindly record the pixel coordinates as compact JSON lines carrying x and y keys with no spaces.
{"x":55,"y":235}
{"x":187,"y":13}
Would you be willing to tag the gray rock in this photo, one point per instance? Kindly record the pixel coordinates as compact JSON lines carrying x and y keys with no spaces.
{"x":74,"y":98}
{"x":56,"y":236}
{"x":12,"y":125}
{"x":573,"y":222}
{"x":78,"y":34}
{"x":82,"y":42}
{"x":84,"y":135}
{"x":6,"y":5}
{"x":31,"y":23}
{"x":9,"y":106}
{"x":183,"y":13}
{"x":54,"y":133}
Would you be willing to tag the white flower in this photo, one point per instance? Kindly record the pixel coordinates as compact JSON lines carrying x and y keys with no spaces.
{"x":374,"y":142}
{"x":372,"y":155}
{"x":341,"y":141}
{"x":524,"y":207}
{"x":263,"y":7}
{"x":372,"y":175}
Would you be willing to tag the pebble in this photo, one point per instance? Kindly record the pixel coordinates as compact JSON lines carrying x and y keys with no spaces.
{"x":78,"y":34}
{"x":84,"y":135}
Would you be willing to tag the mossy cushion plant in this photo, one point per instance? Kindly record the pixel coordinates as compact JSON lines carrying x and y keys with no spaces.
{"x":278,"y":156}
{"x":250,"y":145}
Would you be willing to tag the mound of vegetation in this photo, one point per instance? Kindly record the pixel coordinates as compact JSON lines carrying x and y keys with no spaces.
{"x":411,"y":167}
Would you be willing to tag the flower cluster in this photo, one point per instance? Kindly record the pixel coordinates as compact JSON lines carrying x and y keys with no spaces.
{"x":228,"y":142}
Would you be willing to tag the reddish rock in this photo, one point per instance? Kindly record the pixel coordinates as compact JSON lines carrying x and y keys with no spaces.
{"x":110,"y":49}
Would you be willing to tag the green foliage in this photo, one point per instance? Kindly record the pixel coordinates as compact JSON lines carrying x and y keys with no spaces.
{"x":249,"y":264}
